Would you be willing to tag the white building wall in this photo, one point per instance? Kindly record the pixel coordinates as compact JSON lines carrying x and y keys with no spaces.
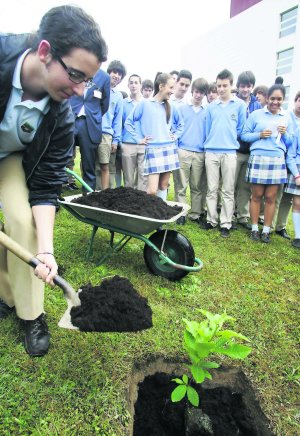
{"x":248,"y":41}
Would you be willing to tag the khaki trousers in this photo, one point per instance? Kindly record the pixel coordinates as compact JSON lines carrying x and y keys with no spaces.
{"x":242,"y":188}
{"x":226,"y":162}
{"x":192,"y":165}
{"x":103,"y":157}
{"x":283,"y":207}
{"x":133,"y":163}
{"x":19,"y":286}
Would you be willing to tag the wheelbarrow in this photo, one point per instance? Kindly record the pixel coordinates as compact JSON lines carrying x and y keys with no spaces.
{"x":167,"y":253}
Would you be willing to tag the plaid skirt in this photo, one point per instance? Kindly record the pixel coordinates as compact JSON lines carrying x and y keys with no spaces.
{"x":160,"y":159}
{"x":291,"y":187}
{"x":266,"y":170}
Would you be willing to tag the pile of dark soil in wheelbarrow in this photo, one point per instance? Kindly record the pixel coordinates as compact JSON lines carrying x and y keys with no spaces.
{"x":131,"y":201}
{"x":114,"y":306}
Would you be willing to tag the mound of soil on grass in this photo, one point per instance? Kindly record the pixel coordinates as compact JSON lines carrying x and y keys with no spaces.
{"x":156,"y":415}
{"x":131,"y":201}
{"x":114,"y":306}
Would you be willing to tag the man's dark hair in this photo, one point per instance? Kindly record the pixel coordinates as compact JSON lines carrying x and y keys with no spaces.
{"x":245,"y":78}
{"x":200,"y":85}
{"x":261,"y":89}
{"x":68,"y":27}
{"x":147,"y":83}
{"x":276,"y":87}
{"x":184,"y":74}
{"x":174,"y":72}
{"x":212,"y":87}
{"x":225,"y":74}
{"x":135,"y":75}
{"x":118,"y":67}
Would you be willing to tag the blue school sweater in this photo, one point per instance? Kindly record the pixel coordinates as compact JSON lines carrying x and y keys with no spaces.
{"x":128,"y":106}
{"x":193,"y":136}
{"x":261,"y":120}
{"x":149,"y":119}
{"x":224,"y":124}
{"x":293,"y":154}
{"x":112,"y":120}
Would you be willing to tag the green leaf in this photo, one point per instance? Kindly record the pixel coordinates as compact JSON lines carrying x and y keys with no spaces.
{"x":178,"y":381}
{"x":178,"y":393}
{"x":236,"y":351}
{"x":228,"y":334}
{"x":206,"y":364}
{"x":191,"y":326}
{"x":198,"y":374}
{"x":185,"y":379}
{"x":193,"y":396}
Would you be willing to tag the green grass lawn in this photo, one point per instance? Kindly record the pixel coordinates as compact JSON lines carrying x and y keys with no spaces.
{"x":80,"y":386}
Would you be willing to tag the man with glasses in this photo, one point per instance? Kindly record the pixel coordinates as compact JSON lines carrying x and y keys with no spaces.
{"x":39,"y":73}
{"x":89,"y":110}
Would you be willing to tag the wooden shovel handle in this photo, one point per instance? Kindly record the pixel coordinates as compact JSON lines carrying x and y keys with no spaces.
{"x":27,"y":257}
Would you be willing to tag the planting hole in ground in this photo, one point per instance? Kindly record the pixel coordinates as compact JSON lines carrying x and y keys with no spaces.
{"x":228,"y":406}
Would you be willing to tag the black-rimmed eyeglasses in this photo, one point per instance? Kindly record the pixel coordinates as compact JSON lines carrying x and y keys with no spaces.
{"x":75,"y":76}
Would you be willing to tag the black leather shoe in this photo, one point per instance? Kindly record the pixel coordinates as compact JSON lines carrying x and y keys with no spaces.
{"x":296,"y":243}
{"x":72,"y":187}
{"x":225,"y":233}
{"x":5,"y":310}
{"x":234,"y":225}
{"x":254,"y":235}
{"x":245,"y":224}
{"x":181,"y":220}
{"x":37,"y":337}
{"x":283,"y":233}
{"x":207,"y":226}
{"x":266,"y":238}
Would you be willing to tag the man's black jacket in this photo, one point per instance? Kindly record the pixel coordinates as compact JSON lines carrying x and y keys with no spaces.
{"x":45,"y":158}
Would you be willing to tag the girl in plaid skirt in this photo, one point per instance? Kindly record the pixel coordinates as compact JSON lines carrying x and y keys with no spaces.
{"x":269,"y":131}
{"x":157,"y":124}
{"x":293,"y":185}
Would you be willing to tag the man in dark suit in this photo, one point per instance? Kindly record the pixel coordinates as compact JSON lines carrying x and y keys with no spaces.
{"x":88,"y":110}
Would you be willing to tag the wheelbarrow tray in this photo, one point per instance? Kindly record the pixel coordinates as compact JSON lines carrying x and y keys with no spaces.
{"x":122,"y":221}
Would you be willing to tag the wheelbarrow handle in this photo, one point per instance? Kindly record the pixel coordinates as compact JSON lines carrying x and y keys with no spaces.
{"x":27,"y":257}
{"x":80,"y":180}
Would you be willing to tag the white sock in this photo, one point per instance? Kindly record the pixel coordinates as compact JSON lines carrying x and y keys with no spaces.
{"x":296,"y":222}
{"x":254,"y":227}
{"x":162,"y":194}
{"x":266,"y":229}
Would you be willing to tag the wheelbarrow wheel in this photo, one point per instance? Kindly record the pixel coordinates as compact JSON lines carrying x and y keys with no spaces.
{"x":176,"y":247}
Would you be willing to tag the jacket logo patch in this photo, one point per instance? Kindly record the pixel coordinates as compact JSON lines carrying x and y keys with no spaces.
{"x":232,"y":116}
{"x":27,"y":128}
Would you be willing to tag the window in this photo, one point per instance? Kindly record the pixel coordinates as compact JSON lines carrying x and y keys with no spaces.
{"x":288,"y":22}
{"x":287,"y":95}
{"x":284,"y":61}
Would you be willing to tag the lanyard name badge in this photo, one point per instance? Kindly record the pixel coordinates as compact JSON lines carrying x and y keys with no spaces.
{"x":97,"y":93}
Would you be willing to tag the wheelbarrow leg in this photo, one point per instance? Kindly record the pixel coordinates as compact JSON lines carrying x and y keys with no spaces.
{"x":114,"y":247}
{"x":91,"y":241}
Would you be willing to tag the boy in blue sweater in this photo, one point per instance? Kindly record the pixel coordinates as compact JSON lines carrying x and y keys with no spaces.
{"x":111,"y":129}
{"x":225,"y":118}
{"x":191,"y":151}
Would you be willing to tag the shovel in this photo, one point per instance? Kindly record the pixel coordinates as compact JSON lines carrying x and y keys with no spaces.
{"x":69,"y":293}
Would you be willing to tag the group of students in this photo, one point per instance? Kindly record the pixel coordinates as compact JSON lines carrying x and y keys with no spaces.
{"x":229,"y":146}
{"x":42,"y":73}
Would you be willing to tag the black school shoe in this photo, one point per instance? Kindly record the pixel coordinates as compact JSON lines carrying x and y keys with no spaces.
{"x":296,"y":243}
{"x":225,"y":233}
{"x":266,"y":238}
{"x":5,"y":310}
{"x":181,"y":220}
{"x":255,"y":235}
{"x":207,"y":226}
{"x":283,"y":233}
{"x":37,"y":336}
